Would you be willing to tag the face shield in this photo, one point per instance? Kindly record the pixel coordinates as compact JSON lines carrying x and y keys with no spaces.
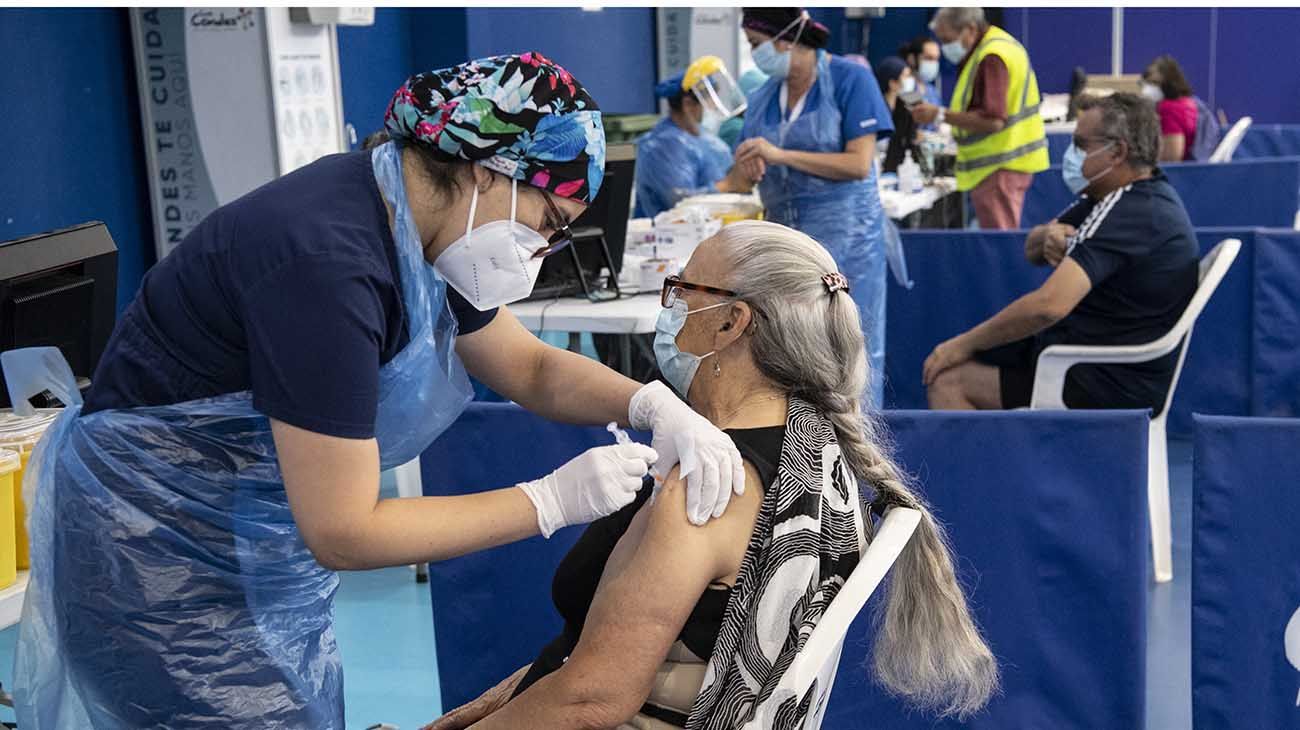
{"x":708,"y":79}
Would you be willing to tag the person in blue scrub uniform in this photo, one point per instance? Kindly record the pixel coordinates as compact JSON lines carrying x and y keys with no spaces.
{"x":191,"y":514}
{"x":683,"y":154}
{"x":813,"y":127}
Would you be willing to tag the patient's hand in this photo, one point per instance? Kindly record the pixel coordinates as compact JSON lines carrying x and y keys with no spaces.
{"x":1056,"y":242}
{"x":487,"y":703}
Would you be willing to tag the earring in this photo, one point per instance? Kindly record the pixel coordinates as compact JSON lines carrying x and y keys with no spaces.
{"x":717,"y":369}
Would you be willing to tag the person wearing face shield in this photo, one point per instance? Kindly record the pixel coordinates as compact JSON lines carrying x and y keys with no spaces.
{"x":191,"y":514}
{"x":683,"y":154}
{"x":1000,"y":137}
{"x":1124,"y":259}
{"x":813,"y":125}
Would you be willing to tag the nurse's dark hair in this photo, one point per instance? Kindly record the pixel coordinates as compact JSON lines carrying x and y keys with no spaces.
{"x":444,"y":172}
{"x":1130,"y":119}
{"x":915,"y":47}
{"x":1173,"y":82}
{"x":775,"y":20}
{"x":808,"y":341}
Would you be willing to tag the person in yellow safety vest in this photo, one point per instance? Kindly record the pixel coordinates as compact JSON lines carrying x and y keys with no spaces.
{"x":993,"y":112}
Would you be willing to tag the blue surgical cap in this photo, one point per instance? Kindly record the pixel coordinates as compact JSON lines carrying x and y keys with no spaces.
{"x":670,"y":87}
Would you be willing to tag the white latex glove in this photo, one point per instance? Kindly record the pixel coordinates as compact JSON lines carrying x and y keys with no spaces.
{"x":710,"y":462}
{"x":598,"y":482}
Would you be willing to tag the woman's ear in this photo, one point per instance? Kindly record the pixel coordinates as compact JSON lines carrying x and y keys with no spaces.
{"x":737,"y":320}
{"x":483,"y":178}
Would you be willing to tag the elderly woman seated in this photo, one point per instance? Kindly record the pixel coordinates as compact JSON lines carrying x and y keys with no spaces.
{"x":667,"y":622}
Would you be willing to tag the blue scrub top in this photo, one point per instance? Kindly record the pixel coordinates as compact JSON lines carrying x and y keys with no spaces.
{"x":291,"y":292}
{"x":856,"y":94}
{"x":672,"y":163}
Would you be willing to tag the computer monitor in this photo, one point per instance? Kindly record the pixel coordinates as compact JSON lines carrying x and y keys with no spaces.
{"x":612,"y":207}
{"x":606,"y":217}
{"x":59,"y":289}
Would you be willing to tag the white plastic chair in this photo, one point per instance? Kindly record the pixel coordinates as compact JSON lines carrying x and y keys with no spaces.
{"x":1228,"y":145}
{"x":1055,"y":361}
{"x":820,"y":656}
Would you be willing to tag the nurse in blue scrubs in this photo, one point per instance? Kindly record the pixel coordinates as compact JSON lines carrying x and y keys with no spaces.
{"x":813,"y":127}
{"x":191,"y":514}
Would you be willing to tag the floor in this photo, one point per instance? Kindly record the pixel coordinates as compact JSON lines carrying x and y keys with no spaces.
{"x":385,"y":631}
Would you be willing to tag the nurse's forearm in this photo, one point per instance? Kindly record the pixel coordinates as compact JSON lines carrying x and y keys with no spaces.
{"x":833,"y":165}
{"x":332,"y":485}
{"x":432,"y":529}
{"x":571,"y":388}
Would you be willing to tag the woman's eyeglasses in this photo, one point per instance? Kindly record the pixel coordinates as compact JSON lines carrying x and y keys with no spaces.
{"x":674,"y":286}
{"x":563,"y":236}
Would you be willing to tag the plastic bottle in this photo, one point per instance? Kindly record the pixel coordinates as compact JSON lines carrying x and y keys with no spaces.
{"x":909,"y":175}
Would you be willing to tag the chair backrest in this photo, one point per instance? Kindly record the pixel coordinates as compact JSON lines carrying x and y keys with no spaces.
{"x":1214,"y":266}
{"x":1228,"y":147}
{"x":820,"y":656}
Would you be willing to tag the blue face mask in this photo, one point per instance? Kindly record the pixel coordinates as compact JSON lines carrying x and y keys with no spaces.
{"x":1072,"y":168}
{"x":678,"y":367}
{"x":772,"y":62}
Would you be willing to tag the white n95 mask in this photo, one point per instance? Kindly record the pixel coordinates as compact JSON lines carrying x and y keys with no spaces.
{"x":493,"y":264}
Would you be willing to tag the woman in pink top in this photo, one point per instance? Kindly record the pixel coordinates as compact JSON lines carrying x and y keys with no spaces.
{"x":1164,"y":83}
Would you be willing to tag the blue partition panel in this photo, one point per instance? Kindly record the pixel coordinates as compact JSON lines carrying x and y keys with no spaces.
{"x":1245,"y":573}
{"x":964,"y":277}
{"x":1062,"y":606}
{"x":1275,"y":377}
{"x":1261,"y":192}
{"x":1061,"y":597}
{"x":1269,"y":140}
{"x":1057,"y":144}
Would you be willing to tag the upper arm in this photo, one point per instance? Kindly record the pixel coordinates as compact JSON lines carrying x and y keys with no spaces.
{"x":651,"y":584}
{"x":864,"y":148}
{"x":332,"y":484}
{"x":502,"y":354}
{"x":316,"y":330}
{"x":994,"y":79}
{"x":1173,"y":147}
{"x":1064,"y":289}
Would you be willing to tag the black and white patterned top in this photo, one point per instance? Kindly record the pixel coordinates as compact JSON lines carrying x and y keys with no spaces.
{"x":808,"y":538}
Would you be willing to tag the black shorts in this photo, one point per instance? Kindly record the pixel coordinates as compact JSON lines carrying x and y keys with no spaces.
{"x":1017,"y":363}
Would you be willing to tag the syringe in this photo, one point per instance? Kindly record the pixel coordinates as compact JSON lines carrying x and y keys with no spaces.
{"x":620,"y":436}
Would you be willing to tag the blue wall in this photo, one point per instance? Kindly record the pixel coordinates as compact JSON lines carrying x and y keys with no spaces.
{"x":612,"y":52}
{"x":373,"y":62}
{"x":71,"y":124}
{"x":1243,"y":60}
{"x":71,"y":114}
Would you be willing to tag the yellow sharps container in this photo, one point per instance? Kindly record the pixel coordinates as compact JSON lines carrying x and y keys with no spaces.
{"x":10,"y":463}
{"x":20,"y":434}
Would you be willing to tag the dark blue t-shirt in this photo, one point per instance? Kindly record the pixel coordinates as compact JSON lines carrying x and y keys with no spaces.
{"x":1140,"y":253}
{"x":291,"y":292}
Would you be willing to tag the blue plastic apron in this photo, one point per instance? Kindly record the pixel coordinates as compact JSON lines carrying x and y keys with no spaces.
{"x":170,"y":585}
{"x":845,"y":216}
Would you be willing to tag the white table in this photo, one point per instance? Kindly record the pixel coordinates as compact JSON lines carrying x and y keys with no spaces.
{"x":898,"y":205}
{"x":631,"y":315}
{"x":1059,"y":127}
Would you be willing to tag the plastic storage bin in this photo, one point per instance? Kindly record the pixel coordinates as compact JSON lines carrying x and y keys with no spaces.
{"x":19,"y":434}
{"x":10,"y":464}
